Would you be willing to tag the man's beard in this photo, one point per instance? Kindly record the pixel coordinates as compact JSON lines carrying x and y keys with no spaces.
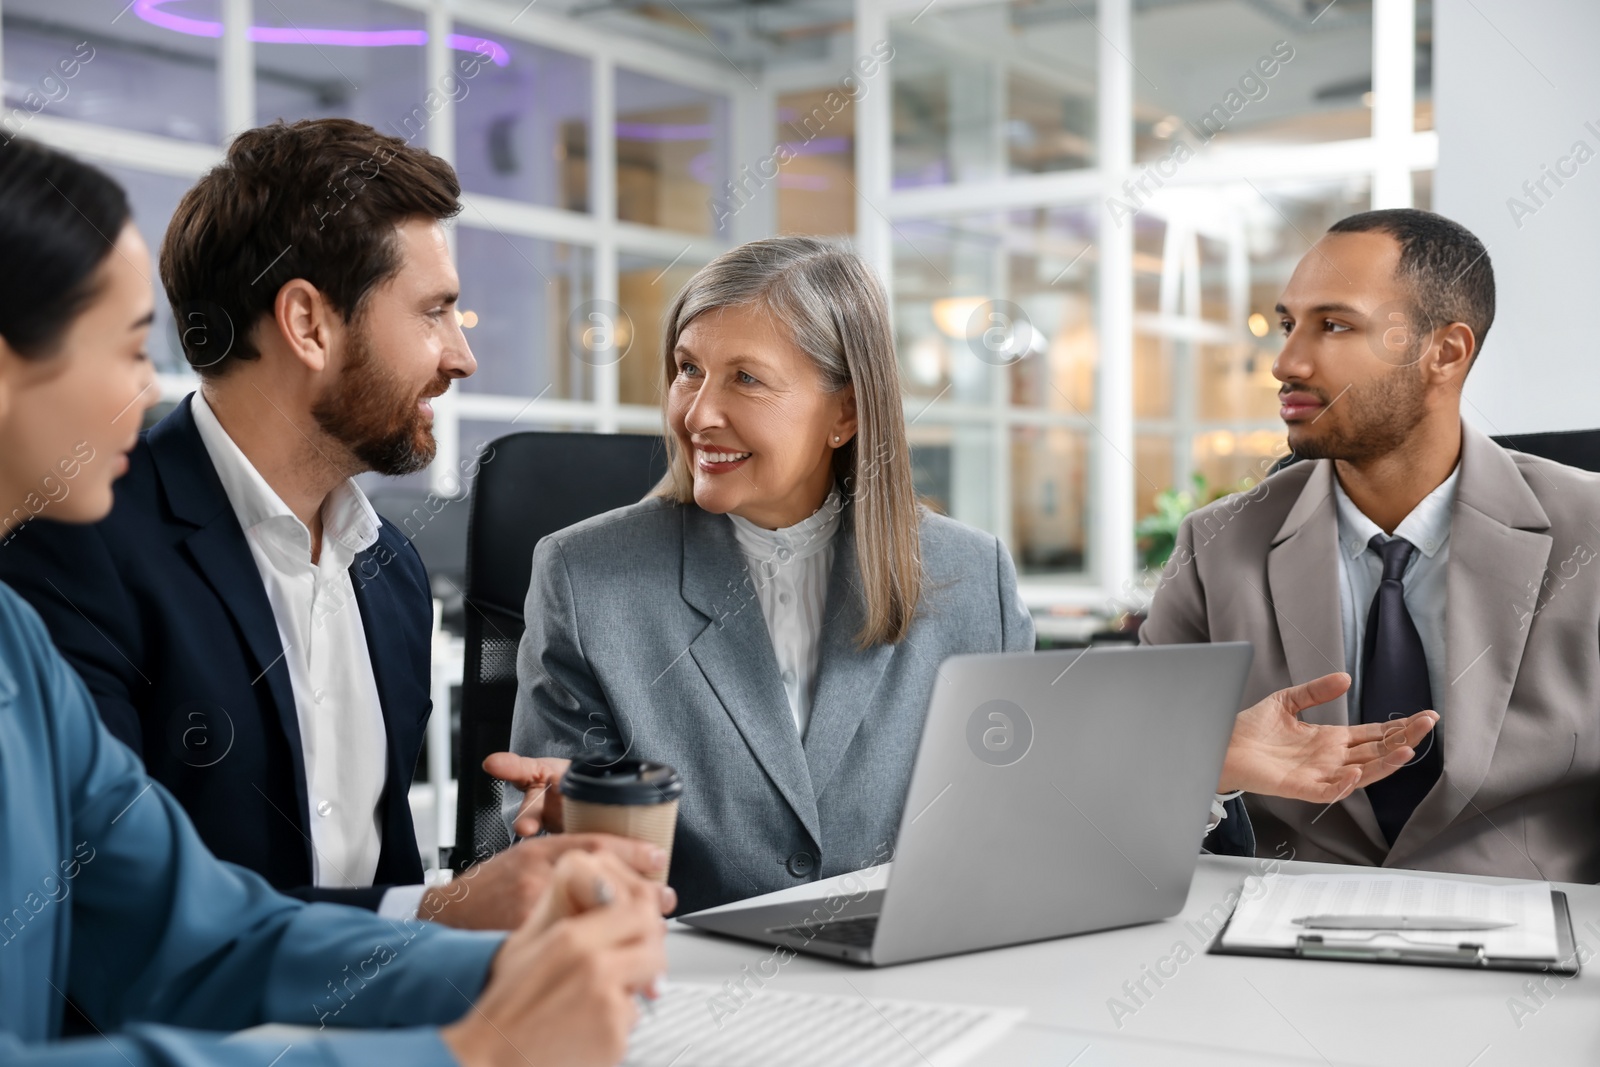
{"x":375,"y":416}
{"x":1380,"y":415}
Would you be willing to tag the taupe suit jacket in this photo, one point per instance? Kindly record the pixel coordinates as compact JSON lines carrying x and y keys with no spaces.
{"x":1520,"y":719}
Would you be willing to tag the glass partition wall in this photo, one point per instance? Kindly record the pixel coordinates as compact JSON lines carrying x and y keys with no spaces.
{"x":1084,"y":211}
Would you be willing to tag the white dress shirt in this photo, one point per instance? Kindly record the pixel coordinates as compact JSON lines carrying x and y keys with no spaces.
{"x":1361,"y":569}
{"x":790,"y":569}
{"x":342,"y":736}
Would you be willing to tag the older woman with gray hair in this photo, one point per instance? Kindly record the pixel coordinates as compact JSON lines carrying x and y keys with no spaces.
{"x":770,"y":621}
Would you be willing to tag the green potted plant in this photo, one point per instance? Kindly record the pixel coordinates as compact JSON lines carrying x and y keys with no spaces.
{"x":1157,"y":533}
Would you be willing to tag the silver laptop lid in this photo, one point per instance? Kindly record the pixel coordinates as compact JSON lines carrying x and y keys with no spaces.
{"x":1057,"y":793}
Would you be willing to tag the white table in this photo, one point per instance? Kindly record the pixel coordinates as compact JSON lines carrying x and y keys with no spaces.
{"x":1216,"y":1010}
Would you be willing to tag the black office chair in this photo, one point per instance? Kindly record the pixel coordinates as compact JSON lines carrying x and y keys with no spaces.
{"x":437,"y":527}
{"x":535,"y":484}
{"x":1575,"y":448}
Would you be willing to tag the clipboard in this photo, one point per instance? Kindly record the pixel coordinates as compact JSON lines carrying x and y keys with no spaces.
{"x":1465,"y":954}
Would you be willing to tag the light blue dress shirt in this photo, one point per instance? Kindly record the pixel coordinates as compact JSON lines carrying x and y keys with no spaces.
{"x":1361,"y":570}
{"x":109,"y":896}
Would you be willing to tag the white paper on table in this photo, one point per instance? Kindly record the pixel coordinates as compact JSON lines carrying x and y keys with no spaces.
{"x":1268,"y":905}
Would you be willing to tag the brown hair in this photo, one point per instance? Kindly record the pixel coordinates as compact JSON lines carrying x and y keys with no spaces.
{"x":835,"y":308}
{"x":317,"y":200}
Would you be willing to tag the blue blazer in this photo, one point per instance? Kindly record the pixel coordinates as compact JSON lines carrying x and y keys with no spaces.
{"x":161,"y":609}
{"x":110,"y":898}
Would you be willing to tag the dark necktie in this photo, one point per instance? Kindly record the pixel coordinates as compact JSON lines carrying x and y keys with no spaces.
{"x":1394,"y":684}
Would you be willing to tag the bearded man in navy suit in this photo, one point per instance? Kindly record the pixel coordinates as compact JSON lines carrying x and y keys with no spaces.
{"x":244,"y":620}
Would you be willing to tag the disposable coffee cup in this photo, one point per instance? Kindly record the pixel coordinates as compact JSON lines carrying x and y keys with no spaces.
{"x":630,"y":798}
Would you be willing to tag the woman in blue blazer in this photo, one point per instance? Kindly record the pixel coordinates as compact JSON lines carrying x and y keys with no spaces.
{"x":107,"y":895}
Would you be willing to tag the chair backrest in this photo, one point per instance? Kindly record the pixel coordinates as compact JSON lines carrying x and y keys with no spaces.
{"x":1575,"y":448}
{"x":437,"y":527}
{"x":533,"y":484}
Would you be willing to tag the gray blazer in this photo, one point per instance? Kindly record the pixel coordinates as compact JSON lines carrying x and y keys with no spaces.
{"x":1520,"y":720}
{"x":645,"y":638}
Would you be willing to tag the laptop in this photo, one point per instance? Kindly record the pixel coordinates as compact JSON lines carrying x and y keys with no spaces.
{"x":1054,"y":793}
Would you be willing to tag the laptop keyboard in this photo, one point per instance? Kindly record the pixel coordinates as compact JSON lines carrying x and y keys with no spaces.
{"x":857,"y":932}
{"x":702,"y":1025}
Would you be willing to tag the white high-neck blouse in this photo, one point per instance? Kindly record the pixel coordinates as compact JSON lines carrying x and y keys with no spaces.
{"x":790,"y":569}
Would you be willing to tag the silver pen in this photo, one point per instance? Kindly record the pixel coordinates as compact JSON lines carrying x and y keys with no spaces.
{"x":1397,"y":922}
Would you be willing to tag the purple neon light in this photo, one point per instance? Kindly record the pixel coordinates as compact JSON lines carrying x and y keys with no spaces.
{"x":150,"y":11}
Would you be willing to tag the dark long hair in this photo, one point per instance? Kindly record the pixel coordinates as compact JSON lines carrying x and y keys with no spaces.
{"x":58,"y":221}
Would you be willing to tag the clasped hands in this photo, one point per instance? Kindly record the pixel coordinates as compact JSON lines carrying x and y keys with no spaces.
{"x":568,"y":979}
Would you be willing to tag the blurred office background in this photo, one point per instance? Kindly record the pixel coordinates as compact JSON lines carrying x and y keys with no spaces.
{"x":1084,"y":210}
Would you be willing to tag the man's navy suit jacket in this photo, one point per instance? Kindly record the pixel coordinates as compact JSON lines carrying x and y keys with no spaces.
{"x":161,"y":609}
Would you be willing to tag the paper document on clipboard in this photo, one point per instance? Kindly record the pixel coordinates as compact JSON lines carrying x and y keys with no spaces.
{"x":1268,"y":906}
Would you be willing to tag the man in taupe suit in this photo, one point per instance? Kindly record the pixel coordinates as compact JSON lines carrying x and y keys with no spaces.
{"x":1344,"y":567}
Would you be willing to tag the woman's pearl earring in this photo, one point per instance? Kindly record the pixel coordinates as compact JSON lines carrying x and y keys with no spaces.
{"x":835,"y":438}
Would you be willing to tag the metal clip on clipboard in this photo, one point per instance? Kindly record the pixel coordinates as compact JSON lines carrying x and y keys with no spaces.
{"x":1315,"y":946}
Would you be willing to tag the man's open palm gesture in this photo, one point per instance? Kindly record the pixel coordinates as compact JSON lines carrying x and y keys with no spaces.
{"x":1274,"y":753}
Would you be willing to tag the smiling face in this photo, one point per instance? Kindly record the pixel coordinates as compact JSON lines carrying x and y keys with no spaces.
{"x":753,"y":415}
{"x":1355,"y":368}
{"x":400,"y":351}
{"x":69,"y":418}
